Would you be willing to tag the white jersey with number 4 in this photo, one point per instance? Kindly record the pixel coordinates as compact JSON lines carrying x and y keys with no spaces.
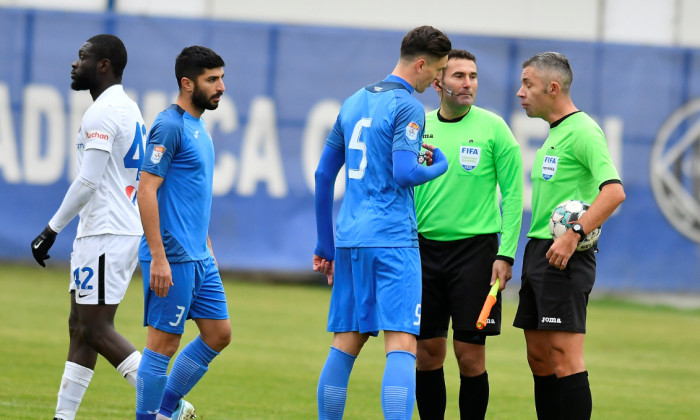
{"x":113,"y":123}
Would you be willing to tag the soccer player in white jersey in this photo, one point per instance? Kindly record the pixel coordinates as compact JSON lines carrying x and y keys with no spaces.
{"x":109,"y":155}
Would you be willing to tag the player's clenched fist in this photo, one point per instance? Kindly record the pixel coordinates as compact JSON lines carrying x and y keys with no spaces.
{"x":432,"y":154}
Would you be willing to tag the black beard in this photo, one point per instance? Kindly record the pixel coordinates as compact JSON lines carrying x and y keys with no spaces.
{"x":200,"y":100}
{"x":84,"y":82}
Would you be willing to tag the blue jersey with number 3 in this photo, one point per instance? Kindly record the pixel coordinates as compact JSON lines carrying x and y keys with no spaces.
{"x":180,"y":151}
{"x":374,"y":122}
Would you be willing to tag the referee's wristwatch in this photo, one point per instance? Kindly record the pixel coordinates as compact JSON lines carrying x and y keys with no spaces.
{"x":576,"y":227}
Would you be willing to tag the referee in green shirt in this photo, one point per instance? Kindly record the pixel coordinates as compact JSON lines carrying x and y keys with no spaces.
{"x":573,"y":163}
{"x":459,"y":220}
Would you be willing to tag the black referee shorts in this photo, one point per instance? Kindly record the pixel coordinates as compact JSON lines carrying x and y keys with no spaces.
{"x":456,"y":277}
{"x":553,"y":299}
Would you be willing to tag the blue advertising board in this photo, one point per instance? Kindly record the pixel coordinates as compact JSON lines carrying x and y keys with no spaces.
{"x":285,"y":84}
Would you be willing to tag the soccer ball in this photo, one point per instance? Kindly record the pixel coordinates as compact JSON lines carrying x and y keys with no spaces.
{"x":567,"y":213}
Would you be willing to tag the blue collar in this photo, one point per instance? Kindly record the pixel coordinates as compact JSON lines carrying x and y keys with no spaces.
{"x":397,"y":79}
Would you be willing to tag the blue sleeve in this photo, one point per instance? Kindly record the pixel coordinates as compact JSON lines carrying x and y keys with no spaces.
{"x":332,"y":159}
{"x":336,"y":138}
{"x":409,"y":124}
{"x":409,"y":173}
{"x":163,"y":141}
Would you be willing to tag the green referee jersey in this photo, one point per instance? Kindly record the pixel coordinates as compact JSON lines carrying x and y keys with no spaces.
{"x":482,"y":153}
{"x":572,"y":164}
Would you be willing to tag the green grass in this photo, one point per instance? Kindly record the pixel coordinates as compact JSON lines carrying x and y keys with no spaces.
{"x":642,"y":360}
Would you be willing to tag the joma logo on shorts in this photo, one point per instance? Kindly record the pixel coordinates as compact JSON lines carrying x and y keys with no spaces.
{"x":550,"y":320}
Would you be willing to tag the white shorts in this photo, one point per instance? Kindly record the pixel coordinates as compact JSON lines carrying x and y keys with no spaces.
{"x":101,"y":268}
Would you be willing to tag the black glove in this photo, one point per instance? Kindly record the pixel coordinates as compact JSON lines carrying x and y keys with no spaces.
{"x":42,"y":244}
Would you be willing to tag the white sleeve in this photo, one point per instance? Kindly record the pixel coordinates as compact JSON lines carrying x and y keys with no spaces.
{"x":81,"y":190}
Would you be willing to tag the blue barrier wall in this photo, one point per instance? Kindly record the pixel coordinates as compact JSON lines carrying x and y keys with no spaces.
{"x":284,"y":87}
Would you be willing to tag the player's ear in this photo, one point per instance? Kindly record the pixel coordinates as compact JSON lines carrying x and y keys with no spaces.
{"x":419,"y":64}
{"x":436,"y":85}
{"x":187,"y":84}
{"x":104,"y":65}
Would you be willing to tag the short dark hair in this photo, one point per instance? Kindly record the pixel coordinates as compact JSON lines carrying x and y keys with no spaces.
{"x":193,"y":60}
{"x":461,"y":54}
{"x":425,"y":40}
{"x":555,"y":66}
{"x":107,"y":46}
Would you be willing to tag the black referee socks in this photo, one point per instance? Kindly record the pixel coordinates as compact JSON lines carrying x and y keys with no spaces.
{"x":431,"y":395}
{"x":547,"y":401}
{"x":473,"y":396}
{"x":575,"y":393}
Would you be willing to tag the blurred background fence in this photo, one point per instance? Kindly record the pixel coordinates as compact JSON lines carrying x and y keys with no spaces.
{"x":287,"y":72}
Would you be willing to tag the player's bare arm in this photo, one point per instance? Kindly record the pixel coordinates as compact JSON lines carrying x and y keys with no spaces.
{"x":609,"y":198}
{"x":161,"y":277}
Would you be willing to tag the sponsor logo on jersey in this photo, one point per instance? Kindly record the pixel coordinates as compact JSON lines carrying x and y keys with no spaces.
{"x":469,"y":157}
{"x":96,"y":135}
{"x":550,"y":320}
{"x":196,"y":134}
{"x":80,"y":146}
{"x":157,"y":154}
{"x":412,"y":130}
{"x":549,"y":166}
{"x":131,"y":193}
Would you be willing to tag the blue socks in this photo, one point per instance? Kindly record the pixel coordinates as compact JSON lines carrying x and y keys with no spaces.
{"x":189,"y":367}
{"x":156,"y":392}
{"x":333,"y":384}
{"x":399,"y":385}
{"x":150,"y":384}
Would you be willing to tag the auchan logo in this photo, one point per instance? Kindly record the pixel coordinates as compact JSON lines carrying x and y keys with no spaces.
{"x":94,"y":134}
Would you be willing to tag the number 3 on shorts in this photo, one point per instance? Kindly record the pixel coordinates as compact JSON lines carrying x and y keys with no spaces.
{"x":178,"y":316}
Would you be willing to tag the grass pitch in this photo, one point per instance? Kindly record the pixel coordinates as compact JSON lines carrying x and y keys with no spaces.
{"x":642,"y":360}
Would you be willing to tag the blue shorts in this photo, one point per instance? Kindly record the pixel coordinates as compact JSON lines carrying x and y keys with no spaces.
{"x":376,"y":289}
{"x":197,"y":293}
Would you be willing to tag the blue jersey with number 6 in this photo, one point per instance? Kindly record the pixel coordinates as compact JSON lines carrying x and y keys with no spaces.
{"x":374,"y":122}
{"x":180,"y":151}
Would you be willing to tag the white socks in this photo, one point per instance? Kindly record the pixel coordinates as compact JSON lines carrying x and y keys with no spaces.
{"x":74,"y":382}
{"x":76,"y":379}
{"x":129,"y":367}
